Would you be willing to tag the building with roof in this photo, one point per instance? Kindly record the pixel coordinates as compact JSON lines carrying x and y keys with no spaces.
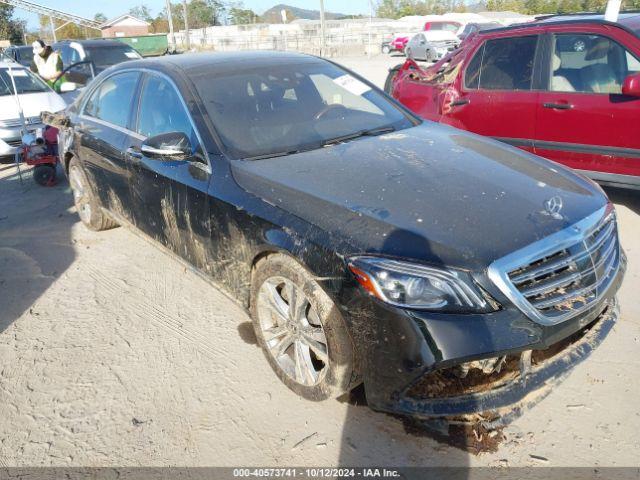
{"x":124,"y":26}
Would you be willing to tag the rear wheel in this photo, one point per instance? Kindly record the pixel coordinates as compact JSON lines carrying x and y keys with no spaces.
{"x":44,"y":174}
{"x":386,"y":49}
{"x":300,"y":330}
{"x":85,"y":200}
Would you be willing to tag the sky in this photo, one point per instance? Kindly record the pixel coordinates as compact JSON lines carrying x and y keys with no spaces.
{"x":113,"y":8}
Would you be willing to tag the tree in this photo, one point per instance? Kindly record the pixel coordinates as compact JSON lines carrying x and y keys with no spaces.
{"x":242,"y":16}
{"x":202,"y":13}
{"x":10,"y":28}
{"x":100,"y":17}
{"x":205,"y":13}
{"x":63,"y":30}
{"x":142,"y":12}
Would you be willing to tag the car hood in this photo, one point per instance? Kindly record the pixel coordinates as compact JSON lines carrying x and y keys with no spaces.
{"x":431,"y":193}
{"x":32,"y":104}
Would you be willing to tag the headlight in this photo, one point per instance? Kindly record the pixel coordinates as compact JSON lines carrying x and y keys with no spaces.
{"x":410,"y":285}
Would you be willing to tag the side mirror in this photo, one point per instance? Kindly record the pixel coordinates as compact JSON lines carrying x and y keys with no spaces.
{"x":631,"y":85}
{"x":68,"y":87}
{"x":168,"y":146}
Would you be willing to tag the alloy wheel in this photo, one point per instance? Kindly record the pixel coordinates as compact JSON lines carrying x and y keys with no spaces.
{"x":292,"y":331}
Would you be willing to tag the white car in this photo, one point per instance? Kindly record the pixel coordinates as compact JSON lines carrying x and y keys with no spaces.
{"x":34,"y":95}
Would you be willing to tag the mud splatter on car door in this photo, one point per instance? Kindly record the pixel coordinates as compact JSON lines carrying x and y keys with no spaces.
{"x":169,"y":194}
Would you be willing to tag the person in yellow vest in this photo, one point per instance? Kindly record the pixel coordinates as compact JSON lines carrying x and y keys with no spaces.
{"x":46,"y":63}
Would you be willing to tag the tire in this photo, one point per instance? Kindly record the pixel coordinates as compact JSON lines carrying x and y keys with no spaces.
{"x":322,"y":373}
{"x":44,"y":174}
{"x":386,"y":49}
{"x":86,"y":201}
{"x":388,"y":83}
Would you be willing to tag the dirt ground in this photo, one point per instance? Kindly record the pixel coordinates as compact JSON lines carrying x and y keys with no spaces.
{"x":111,"y":353}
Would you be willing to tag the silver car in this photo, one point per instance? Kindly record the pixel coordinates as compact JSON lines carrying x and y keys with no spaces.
{"x":421,"y":48}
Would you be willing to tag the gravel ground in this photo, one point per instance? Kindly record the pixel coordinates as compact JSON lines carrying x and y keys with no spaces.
{"x":111,"y":353}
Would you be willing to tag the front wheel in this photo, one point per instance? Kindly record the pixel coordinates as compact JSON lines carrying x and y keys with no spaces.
{"x":388,"y":83}
{"x":300,"y":330}
{"x":86,"y":201}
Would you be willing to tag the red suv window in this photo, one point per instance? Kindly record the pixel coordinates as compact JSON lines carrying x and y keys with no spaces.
{"x":503,"y":64}
{"x":589,"y":63}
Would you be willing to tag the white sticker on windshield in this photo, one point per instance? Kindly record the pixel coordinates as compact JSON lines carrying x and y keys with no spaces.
{"x":132,"y":54}
{"x":352,"y":84}
{"x":18,"y":73}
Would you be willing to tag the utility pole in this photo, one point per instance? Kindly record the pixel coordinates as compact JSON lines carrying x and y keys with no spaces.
{"x":323,"y":41}
{"x":172,"y":37}
{"x":187,"y":40}
{"x":53,"y":29}
{"x":370,"y":27}
{"x":612,"y":11}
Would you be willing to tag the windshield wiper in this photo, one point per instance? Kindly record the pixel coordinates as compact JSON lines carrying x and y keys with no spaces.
{"x":372,"y":132}
{"x":281,"y":154}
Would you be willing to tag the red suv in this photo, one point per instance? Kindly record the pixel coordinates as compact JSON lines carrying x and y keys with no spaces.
{"x":566,"y":88}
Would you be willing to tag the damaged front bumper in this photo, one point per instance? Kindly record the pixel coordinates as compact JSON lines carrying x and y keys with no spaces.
{"x":417,"y":363}
{"x":514,"y":392}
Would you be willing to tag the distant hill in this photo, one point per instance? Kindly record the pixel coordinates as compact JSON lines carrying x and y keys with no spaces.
{"x":273,"y":14}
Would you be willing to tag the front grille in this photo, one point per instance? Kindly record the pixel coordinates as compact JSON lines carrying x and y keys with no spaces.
{"x":445,"y":44}
{"x":16,"y":122}
{"x":14,"y":143}
{"x":566,"y":282}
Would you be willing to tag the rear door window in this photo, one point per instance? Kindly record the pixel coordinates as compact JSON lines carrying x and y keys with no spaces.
{"x":588,"y":63}
{"x":503,"y":64}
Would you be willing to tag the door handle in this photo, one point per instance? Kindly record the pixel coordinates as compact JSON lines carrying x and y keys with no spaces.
{"x":134,"y":153}
{"x":460,"y":102}
{"x":558,"y":106}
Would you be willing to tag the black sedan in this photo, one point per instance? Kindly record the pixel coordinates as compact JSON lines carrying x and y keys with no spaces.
{"x":447,"y":272}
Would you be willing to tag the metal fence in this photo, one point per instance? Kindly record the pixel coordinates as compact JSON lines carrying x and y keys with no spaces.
{"x":338,"y":42}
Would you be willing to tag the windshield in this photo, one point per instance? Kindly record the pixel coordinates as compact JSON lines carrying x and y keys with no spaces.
{"x":106,"y":56}
{"x":285,"y":108}
{"x":25,"y":54}
{"x":26,"y":82}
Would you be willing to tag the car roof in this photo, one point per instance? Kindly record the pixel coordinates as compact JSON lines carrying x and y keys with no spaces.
{"x":623,"y":18}
{"x":94,"y":43}
{"x":628,"y":20}
{"x":224,"y":62}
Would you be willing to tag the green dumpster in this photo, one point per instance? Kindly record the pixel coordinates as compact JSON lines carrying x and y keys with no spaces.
{"x":148,"y":45}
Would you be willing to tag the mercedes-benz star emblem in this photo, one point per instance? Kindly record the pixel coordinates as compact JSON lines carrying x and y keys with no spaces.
{"x":553,"y":206}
